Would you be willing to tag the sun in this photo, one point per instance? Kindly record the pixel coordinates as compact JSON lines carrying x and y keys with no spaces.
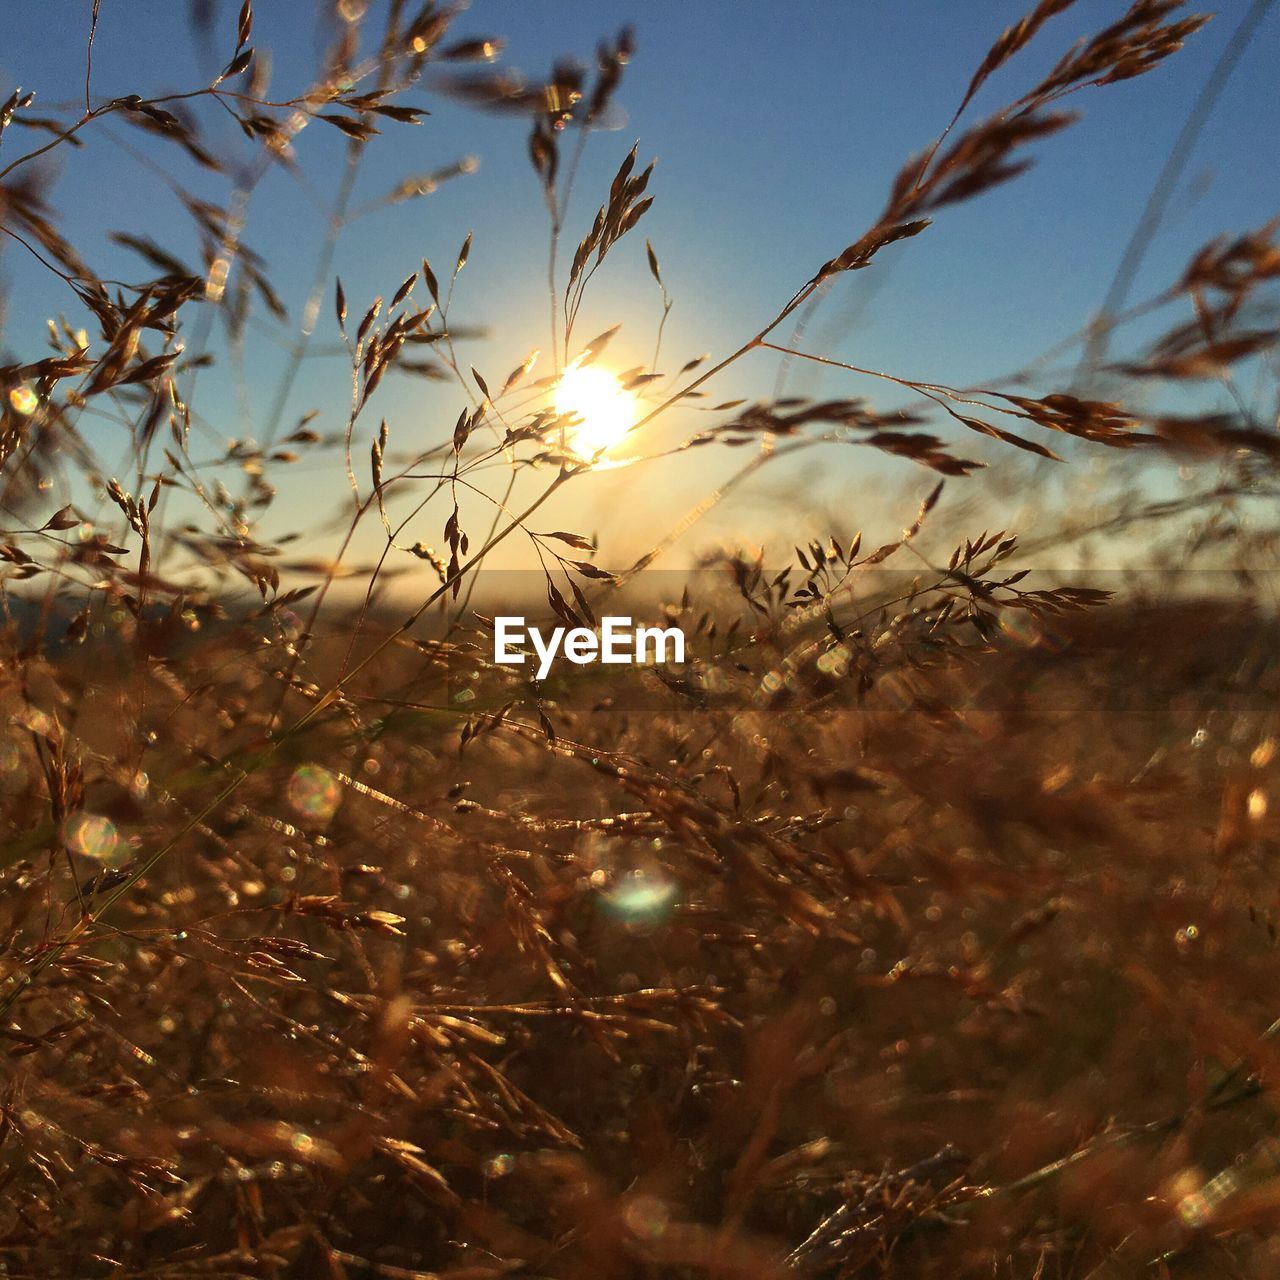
{"x":602,"y":408}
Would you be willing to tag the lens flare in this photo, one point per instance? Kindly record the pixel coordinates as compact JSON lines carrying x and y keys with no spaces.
{"x":314,"y":792}
{"x":602,"y":408}
{"x":24,"y":401}
{"x":92,"y":836}
{"x":643,"y":897}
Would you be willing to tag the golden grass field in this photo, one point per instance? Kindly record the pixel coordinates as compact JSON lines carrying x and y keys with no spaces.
{"x":923,"y":923}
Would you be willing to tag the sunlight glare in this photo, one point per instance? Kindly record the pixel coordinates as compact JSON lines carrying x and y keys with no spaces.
{"x":605,"y":410}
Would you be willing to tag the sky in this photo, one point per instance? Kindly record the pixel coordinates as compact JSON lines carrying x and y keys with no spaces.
{"x":777,"y":130}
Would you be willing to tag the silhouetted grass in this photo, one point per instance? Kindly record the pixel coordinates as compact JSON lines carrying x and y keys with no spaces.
{"x":922,"y":924}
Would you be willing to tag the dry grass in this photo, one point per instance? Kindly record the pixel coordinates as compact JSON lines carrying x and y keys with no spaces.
{"x":919,"y":926}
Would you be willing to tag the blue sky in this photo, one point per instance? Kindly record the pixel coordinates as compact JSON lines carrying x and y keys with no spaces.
{"x":777,"y":130}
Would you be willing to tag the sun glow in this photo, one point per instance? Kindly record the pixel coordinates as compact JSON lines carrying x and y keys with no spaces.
{"x":602,"y":408}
